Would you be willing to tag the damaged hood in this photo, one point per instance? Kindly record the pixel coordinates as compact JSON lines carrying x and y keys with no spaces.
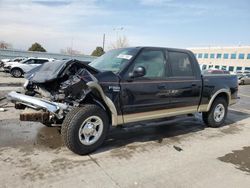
{"x":50,"y":71}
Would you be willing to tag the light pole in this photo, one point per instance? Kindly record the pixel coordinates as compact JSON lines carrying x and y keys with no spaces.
{"x":116,"y":29}
{"x":103,"y":42}
{"x":71,"y":50}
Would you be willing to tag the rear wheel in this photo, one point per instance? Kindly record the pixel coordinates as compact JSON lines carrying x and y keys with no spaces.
{"x":216,"y":116}
{"x":85,"y":128}
{"x":16,"y":72}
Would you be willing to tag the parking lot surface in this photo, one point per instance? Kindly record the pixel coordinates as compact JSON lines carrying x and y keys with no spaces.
{"x":179,"y":152}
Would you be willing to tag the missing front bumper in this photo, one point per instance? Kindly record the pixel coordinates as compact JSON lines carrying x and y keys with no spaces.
{"x":37,"y":116}
{"x":37,"y":104}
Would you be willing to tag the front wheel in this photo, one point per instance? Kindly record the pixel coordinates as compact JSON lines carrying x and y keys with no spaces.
{"x":84,"y":129}
{"x":16,"y":72}
{"x":216,"y":116}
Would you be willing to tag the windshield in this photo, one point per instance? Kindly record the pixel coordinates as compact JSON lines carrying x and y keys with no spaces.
{"x":114,"y":60}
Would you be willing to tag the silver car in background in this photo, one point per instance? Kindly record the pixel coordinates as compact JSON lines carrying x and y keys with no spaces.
{"x":244,"y":79}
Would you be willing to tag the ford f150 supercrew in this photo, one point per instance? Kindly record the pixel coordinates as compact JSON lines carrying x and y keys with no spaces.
{"x":123,"y":86}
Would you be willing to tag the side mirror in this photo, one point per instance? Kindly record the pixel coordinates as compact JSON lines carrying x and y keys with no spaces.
{"x":138,"y":72}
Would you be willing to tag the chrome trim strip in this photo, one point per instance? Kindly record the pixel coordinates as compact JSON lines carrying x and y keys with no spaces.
{"x":129,"y":118}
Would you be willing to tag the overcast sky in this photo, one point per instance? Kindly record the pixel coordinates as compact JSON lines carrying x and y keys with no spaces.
{"x":58,"y":24}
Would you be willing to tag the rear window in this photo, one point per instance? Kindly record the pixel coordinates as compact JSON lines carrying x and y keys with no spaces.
{"x":180,"y":64}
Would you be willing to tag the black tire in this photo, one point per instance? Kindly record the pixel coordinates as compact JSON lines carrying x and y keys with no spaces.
{"x":72,"y":124}
{"x":16,"y":72}
{"x":209,"y":117}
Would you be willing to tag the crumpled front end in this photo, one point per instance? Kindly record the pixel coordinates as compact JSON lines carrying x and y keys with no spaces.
{"x":36,"y":103}
{"x":45,"y":111}
{"x":52,"y":90}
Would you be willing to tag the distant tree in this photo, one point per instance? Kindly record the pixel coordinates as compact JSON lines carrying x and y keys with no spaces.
{"x":5,"y":45}
{"x":121,"y":42}
{"x":37,"y":47}
{"x":70,"y":51}
{"x":98,"y":51}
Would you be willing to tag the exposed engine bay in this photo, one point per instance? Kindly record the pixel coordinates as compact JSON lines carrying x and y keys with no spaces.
{"x":68,"y":86}
{"x":53,"y":87}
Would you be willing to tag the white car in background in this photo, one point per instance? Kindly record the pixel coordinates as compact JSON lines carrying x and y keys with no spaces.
{"x":5,"y":62}
{"x":18,"y":69}
{"x":18,"y":59}
{"x":7,"y":65}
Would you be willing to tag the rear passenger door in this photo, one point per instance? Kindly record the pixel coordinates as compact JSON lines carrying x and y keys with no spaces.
{"x":184,"y":84}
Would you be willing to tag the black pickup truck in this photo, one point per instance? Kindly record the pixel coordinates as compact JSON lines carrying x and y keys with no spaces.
{"x":123,"y":86}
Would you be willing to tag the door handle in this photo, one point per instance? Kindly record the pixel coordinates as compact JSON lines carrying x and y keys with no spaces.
{"x":193,"y":84}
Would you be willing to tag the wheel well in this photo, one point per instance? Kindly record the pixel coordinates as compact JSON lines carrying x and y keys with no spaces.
{"x":92,"y":99}
{"x":222,"y":95}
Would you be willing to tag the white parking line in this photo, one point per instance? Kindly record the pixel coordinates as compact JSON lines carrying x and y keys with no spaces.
{"x":10,"y":88}
{"x":242,"y":110}
{"x":244,"y":95}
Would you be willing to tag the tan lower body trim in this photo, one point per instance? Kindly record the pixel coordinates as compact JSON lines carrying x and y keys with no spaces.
{"x":129,"y":118}
{"x":203,"y":108}
{"x":233,"y":101}
{"x":142,"y":116}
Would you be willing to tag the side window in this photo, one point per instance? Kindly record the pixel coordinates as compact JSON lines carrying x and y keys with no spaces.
{"x":41,"y":61}
{"x":38,"y":61}
{"x":153,"y":61}
{"x":204,"y":67}
{"x":31,"y":61}
{"x":180,"y":64}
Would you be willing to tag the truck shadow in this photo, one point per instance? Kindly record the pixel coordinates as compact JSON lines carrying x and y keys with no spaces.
{"x":171,"y":129}
{"x":174,"y":129}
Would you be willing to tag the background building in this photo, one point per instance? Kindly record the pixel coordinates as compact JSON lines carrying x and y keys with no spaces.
{"x":234,"y":59}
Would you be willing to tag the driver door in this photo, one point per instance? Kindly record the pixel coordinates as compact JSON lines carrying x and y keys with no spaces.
{"x":142,"y":97}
